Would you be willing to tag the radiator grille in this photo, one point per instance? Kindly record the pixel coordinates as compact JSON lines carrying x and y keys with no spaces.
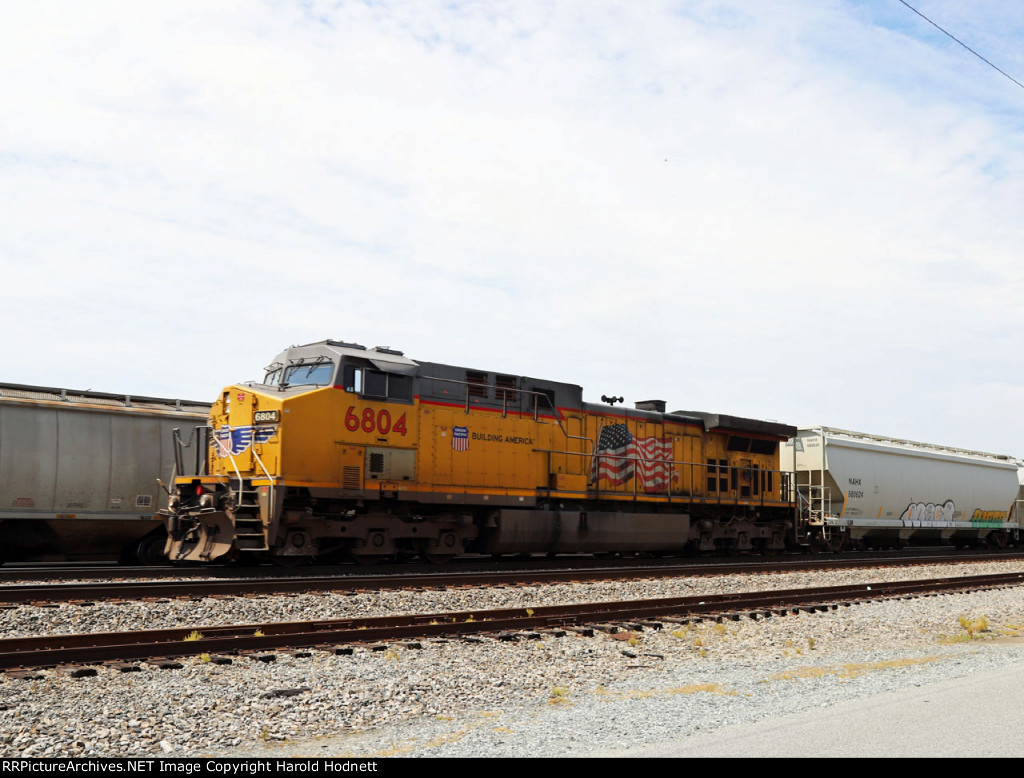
{"x":350,"y":477}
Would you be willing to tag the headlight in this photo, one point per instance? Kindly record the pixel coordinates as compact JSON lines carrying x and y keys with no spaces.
{"x":206,"y":501}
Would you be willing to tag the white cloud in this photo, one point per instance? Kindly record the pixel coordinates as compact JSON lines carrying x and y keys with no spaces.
{"x":783,"y":209}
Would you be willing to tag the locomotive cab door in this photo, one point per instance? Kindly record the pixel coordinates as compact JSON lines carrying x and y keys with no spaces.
{"x":749,"y":478}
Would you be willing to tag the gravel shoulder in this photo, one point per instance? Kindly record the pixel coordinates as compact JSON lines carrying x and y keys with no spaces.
{"x":549,"y":697}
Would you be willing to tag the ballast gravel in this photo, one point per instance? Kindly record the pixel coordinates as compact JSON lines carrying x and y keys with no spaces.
{"x":540,"y":696}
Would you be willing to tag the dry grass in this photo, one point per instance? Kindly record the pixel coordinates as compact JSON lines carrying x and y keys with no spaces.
{"x":638,"y":694}
{"x":852,"y":670}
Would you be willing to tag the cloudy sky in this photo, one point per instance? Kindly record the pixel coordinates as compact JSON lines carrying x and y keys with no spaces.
{"x":801,"y":210}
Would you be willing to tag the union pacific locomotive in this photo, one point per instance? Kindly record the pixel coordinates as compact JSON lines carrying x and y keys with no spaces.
{"x":348,"y":451}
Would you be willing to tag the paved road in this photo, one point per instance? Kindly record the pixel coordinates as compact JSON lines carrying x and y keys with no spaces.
{"x":975,"y":716}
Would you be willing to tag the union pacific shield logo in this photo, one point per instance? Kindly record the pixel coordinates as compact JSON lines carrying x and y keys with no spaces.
{"x":238,"y":439}
{"x":460,"y":438}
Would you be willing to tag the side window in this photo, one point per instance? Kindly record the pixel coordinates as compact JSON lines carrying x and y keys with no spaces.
{"x":353,"y":379}
{"x":400,"y":387}
{"x":375,"y":384}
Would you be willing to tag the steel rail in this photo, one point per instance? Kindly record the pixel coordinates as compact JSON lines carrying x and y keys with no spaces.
{"x":13,"y":594}
{"x":50,"y":651}
{"x":13,"y":572}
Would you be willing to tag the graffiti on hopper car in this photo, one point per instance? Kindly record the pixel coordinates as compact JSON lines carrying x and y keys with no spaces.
{"x":980,"y":515}
{"x":929,"y":511}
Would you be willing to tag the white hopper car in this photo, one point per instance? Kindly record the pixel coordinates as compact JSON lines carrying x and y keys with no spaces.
{"x":860,"y":490}
{"x":79,"y":470}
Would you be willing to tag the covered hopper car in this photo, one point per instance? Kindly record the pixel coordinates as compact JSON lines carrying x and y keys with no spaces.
{"x":861,"y":490}
{"x":347,"y":451}
{"x":79,"y":470}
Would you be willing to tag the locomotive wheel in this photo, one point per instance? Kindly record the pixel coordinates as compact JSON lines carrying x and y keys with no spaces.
{"x":438,"y":559}
{"x":368,"y":559}
{"x":442,"y":551}
{"x":291,"y":561}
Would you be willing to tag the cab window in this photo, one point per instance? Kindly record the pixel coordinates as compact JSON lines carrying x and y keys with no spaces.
{"x":376,"y":383}
{"x":309,"y":374}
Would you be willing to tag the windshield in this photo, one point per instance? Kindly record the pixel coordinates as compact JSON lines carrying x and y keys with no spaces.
{"x":319,"y":373}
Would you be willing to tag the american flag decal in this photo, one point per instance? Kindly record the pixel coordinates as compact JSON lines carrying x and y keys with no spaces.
{"x":460,"y":438}
{"x":620,"y":457}
{"x":238,"y":439}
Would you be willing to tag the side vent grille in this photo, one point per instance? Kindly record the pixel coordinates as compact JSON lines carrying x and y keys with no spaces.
{"x":350,"y":478}
{"x":376,"y":463}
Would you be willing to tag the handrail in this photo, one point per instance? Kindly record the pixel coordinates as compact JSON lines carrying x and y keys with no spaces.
{"x":228,"y":455}
{"x":224,"y":452}
{"x":674,"y":464}
{"x":504,"y":410}
{"x":266,"y":472}
{"x":179,"y":445}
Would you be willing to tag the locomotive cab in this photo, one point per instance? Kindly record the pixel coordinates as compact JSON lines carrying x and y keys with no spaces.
{"x":236,"y":500}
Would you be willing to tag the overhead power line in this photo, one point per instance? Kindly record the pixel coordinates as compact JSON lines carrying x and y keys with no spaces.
{"x":976,"y":54}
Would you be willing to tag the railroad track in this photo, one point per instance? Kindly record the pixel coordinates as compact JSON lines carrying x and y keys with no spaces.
{"x":15,"y":594}
{"x":42,"y":572}
{"x":341,"y":634}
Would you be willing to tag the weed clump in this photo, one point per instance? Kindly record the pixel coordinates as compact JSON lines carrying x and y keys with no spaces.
{"x":973,"y":626}
{"x":559,"y":694}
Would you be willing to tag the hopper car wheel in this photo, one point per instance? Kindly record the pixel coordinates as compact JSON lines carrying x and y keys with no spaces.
{"x":998,"y":541}
{"x":150,"y":551}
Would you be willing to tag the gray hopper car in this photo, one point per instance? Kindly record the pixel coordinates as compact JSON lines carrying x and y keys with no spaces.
{"x":869,"y":490}
{"x":79,"y":470}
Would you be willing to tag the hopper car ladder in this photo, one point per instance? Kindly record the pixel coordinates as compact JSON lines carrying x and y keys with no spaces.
{"x":816,"y":500}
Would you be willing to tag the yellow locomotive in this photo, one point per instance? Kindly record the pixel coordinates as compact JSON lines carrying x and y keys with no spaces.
{"x":343,"y":450}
